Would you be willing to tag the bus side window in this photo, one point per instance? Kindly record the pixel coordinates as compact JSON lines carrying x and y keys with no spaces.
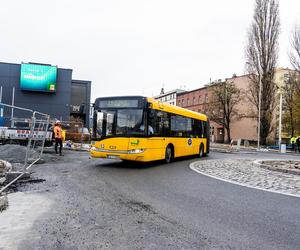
{"x":201,"y":129}
{"x":196,"y":129}
{"x":204,"y":131}
{"x":151,"y":121}
{"x":160,"y":122}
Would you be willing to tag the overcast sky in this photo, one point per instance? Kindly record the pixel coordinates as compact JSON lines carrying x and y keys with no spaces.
{"x":136,"y":47}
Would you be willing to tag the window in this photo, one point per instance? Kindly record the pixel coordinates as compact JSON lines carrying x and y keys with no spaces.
{"x":164,"y":124}
{"x":159,"y":122}
{"x":206,"y":98}
{"x":180,"y":126}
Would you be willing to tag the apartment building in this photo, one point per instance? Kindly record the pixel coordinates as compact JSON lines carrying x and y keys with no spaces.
{"x":199,"y":100}
{"x":169,"y":97}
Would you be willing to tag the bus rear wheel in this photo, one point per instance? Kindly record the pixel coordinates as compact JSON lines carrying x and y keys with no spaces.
{"x":168,"y":154}
{"x":201,"y":151}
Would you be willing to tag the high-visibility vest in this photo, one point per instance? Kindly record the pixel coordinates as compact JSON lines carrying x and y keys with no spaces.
{"x":293,"y":139}
{"x":57,"y":132}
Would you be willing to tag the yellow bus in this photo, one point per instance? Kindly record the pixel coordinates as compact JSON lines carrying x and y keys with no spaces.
{"x":137,"y":128}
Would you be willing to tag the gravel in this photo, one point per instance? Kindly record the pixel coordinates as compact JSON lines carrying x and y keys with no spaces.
{"x":15,"y":153}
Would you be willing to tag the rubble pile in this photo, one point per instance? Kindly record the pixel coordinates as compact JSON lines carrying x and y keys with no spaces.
{"x":15,"y":153}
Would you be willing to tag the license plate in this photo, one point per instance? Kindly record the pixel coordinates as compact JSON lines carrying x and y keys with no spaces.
{"x":113,"y":157}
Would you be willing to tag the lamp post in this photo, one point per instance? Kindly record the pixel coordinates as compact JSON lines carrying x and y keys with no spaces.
{"x":259,"y":104}
{"x":280,"y":117}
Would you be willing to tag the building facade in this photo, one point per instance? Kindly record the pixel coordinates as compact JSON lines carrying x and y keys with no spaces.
{"x":244,"y":126}
{"x":169,"y":97}
{"x":59,"y":104}
{"x":199,"y":100}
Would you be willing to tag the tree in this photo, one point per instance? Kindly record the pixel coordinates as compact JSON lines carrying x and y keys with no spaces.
{"x":295,"y":44}
{"x":291,"y":110}
{"x":261,"y":59}
{"x":222,"y":108}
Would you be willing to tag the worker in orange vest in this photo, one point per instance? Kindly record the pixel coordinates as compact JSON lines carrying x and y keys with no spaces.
{"x":58,"y":136}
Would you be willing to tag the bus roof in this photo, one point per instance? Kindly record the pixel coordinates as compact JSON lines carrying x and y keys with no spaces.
{"x":159,"y":106}
{"x":175,"y":109}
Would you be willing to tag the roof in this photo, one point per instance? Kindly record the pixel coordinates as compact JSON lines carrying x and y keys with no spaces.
{"x":175,"y":109}
{"x":177,"y":91}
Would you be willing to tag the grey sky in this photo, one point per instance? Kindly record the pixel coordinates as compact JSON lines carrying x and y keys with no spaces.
{"x":136,"y":46}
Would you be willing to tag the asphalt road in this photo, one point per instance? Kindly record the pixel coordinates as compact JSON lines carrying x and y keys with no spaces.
{"x":101,"y":204}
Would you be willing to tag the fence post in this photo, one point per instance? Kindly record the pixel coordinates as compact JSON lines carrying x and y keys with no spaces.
{"x":45,"y":134}
{"x":30,"y":139}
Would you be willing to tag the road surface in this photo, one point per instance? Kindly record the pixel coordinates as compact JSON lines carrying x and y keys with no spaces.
{"x":102,"y":204}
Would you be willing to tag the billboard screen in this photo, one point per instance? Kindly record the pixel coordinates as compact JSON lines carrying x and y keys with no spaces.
{"x":36,"y":77}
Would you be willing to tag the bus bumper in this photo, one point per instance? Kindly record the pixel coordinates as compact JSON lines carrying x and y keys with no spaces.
{"x":127,"y":157}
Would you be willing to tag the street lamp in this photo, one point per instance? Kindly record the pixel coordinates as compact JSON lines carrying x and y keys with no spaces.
{"x":280,"y":117}
{"x":259,"y":104}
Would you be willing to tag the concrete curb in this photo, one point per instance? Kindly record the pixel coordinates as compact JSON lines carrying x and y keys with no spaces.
{"x":3,"y":203}
{"x":279,"y":169}
{"x":234,"y":151}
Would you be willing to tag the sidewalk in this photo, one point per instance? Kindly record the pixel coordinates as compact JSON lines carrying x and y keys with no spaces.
{"x":226,"y":148}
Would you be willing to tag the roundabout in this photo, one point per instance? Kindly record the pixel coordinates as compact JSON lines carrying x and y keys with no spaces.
{"x":278,"y":176}
{"x":285,"y":166}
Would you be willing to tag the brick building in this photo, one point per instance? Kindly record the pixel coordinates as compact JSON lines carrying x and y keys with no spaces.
{"x":199,"y":100}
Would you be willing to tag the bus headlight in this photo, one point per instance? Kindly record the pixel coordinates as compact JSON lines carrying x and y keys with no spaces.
{"x":93,"y":148}
{"x":136,"y":151}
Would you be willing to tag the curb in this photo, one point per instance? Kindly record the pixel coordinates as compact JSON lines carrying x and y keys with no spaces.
{"x":279,"y":169}
{"x":234,"y":151}
{"x":3,"y":203}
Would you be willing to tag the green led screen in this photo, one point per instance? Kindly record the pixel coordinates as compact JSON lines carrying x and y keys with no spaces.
{"x":35,"y":77}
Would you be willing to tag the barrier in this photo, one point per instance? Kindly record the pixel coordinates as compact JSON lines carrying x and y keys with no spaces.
{"x":283,"y":148}
{"x":31,"y":129}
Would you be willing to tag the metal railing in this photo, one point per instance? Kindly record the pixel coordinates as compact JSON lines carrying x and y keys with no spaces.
{"x":34,"y":133}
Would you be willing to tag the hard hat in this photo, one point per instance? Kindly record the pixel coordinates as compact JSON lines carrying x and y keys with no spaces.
{"x":57,"y":122}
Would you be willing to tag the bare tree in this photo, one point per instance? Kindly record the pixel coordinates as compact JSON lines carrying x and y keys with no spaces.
{"x":295,"y":44}
{"x":261,"y":59}
{"x":222,"y":108}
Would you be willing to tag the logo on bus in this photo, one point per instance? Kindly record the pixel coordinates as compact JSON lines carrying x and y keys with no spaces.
{"x":135,"y":142}
{"x":190,"y":141}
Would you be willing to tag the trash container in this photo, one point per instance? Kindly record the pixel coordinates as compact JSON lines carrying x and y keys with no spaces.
{"x":283,"y":148}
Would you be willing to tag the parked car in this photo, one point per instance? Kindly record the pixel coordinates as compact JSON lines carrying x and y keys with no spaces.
{"x":78,"y":135}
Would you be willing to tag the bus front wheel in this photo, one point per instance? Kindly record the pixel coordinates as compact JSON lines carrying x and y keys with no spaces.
{"x":168,"y":154}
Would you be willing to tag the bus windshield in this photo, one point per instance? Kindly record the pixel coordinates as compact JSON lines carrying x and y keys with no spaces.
{"x":120,"y":122}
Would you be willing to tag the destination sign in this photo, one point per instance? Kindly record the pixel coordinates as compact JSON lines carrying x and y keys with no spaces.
{"x":119,"y":103}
